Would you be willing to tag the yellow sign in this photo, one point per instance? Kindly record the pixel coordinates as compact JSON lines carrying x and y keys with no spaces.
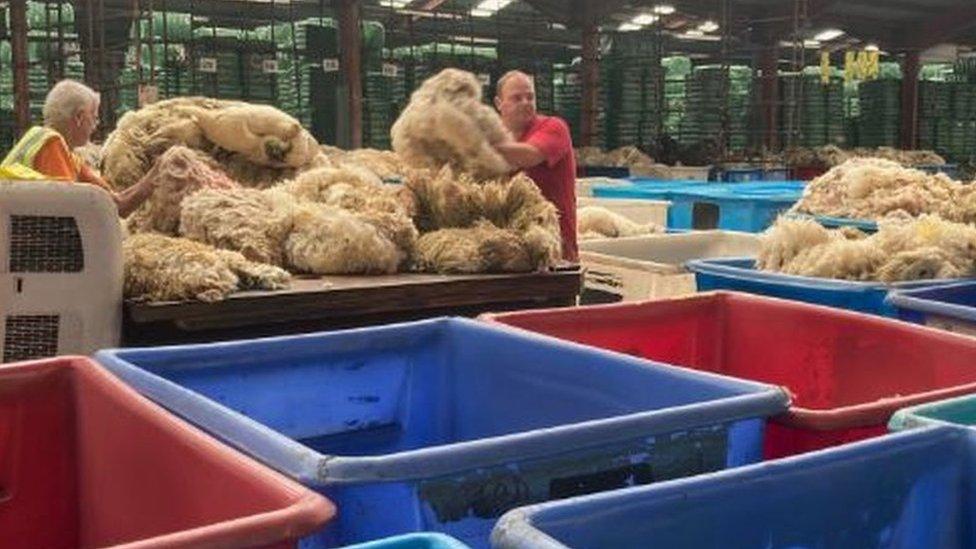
{"x":862,"y":65}
{"x":824,"y":68}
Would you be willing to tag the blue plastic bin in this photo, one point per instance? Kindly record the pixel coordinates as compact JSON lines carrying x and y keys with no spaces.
{"x":443,"y":425}
{"x":742,"y":175}
{"x":908,"y":490}
{"x":747,"y":207}
{"x":647,"y":189}
{"x":740,"y":274}
{"x":830,"y":222}
{"x":776,"y":174}
{"x":950,"y":307}
{"x":951,"y":170}
{"x":412,"y":541}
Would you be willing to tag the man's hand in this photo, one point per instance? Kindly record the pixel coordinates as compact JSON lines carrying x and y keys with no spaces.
{"x":520,"y":155}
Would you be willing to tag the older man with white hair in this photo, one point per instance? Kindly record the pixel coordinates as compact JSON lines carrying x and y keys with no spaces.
{"x":46,"y":152}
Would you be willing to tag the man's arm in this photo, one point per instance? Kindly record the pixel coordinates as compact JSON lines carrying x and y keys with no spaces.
{"x":520,"y":155}
{"x":128,"y":200}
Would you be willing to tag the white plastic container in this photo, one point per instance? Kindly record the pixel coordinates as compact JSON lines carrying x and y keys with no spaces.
{"x":60,"y":270}
{"x":638,"y":211}
{"x":652,"y":267}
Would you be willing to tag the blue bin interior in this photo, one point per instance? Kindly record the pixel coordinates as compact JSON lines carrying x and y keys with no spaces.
{"x":391,"y":389}
{"x":914,"y":489}
{"x":963,"y":295}
{"x":413,"y":541}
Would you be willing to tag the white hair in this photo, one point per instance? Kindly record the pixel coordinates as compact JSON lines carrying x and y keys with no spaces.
{"x":65,"y":99}
{"x":508,"y":76}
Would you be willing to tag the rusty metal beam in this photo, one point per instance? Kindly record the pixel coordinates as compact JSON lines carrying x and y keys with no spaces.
{"x":769,"y":95}
{"x":18,"y":47}
{"x":590,"y":69}
{"x":350,"y":62}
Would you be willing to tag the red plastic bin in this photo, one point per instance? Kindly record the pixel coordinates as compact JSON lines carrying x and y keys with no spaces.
{"x":87,"y":462}
{"x":846,"y":372}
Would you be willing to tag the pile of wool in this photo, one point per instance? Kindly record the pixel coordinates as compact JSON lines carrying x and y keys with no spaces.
{"x":829,"y":156}
{"x":329,"y":240}
{"x":385,"y":164}
{"x":874,"y":188}
{"x":163,"y":268}
{"x":925,"y":248}
{"x":179,"y":172}
{"x":446,"y":123}
{"x":826,"y":156}
{"x":597,"y":222}
{"x":361,"y":192}
{"x":250,"y":221}
{"x":504,"y":225}
{"x":257,"y":144}
{"x":91,"y":153}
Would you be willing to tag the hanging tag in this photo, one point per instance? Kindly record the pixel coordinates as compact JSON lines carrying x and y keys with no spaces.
{"x":390,"y":70}
{"x":207,"y":64}
{"x":269,"y":66}
{"x":330,"y":65}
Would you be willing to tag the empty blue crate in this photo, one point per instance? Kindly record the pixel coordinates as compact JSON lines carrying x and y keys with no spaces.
{"x":950,"y":307}
{"x":443,"y":425}
{"x":747,"y":207}
{"x":412,"y":541}
{"x":741,"y":275}
{"x":908,"y":490}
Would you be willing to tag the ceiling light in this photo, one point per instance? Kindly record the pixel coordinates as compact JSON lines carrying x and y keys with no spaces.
{"x":871,"y":47}
{"x":708,"y":26}
{"x":694,"y":32}
{"x":663,"y":9}
{"x":624,"y":27}
{"x":644,"y":19}
{"x":828,"y":34}
{"x":487,"y":8}
{"x":811,"y":44}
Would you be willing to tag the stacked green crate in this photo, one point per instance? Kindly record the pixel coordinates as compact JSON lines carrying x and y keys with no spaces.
{"x":813,"y":110}
{"x":705,"y":109}
{"x":935,"y":113}
{"x":567,"y":98}
{"x":676,"y":70}
{"x":880,"y":114}
{"x":159,"y":48}
{"x":53,"y":50}
{"x":295,"y":65}
{"x":634,"y":82}
{"x":384,"y":95}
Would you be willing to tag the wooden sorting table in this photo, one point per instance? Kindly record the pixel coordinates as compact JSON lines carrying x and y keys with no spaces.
{"x":335,"y":302}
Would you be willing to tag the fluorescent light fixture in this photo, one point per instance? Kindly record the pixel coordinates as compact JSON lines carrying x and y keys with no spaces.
{"x":644,"y":19}
{"x":396,"y":3}
{"x":664,"y":9}
{"x":487,"y":8}
{"x":708,"y":26}
{"x":559,"y":26}
{"x":693,"y":33}
{"x":871,"y":47}
{"x":811,"y":44}
{"x":474,"y":39}
{"x":827,"y":35}
{"x":624,"y":27}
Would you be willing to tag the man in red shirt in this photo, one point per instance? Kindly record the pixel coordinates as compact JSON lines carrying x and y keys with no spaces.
{"x":543,"y":148}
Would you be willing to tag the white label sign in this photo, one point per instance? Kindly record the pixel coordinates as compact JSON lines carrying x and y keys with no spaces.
{"x":270,"y":66}
{"x":330,"y":65}
{"x":390,"y":70}
{"x":208,"y":64}
{"x":485,"y":78}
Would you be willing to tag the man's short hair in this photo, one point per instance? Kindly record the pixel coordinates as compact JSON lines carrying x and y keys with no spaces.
{"x":508,"y":76}
{"x":65,"y":99}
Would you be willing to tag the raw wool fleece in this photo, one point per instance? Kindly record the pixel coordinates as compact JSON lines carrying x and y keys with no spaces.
{"x":179,"y":172}
{"x":329,"y":240}
{"x":362,"y":193}
{"x":925,"y":248}
{"x":829,"y":156}
{"x":483,"y":248}
{"x":874,"y":188}
{"x":597,"y":222}
{"x":252,"y":222}
{"x":446,"y":122}
{"x":258,"y":144}
{"x":163,"y":268}
{"x":385,"y":164}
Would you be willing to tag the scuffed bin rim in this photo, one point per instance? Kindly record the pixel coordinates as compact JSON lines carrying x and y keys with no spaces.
{"x":437,"y":541}
{"x":913,"y":300}
{"x":521,"y":521}
{"x":758,"y":400}
{"x":910,"y":417}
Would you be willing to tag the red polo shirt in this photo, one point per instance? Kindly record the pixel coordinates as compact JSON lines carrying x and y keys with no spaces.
{"x":556,"y":175}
